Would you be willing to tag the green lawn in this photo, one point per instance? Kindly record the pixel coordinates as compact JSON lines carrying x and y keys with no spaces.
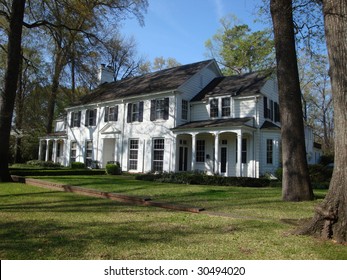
{"x":37,"y":223}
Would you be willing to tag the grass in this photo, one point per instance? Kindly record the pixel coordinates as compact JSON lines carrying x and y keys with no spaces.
{"x":37,"y":223}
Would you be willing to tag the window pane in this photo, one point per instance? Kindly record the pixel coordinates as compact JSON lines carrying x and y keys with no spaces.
{"x":214,"y":108}
{"x":226,"y":107}
{"x":133,"y":153}
{"x":269,"y":151}
{"x":184,"y":109}
{"x":158,"y":154}
{"x":200,"y":150}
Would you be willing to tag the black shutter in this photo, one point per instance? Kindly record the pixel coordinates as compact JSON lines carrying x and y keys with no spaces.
{"x":271,"y":110}
{"x":265,"y":107}
{"x":72,"y":117}
{"x":116,"y":113}
{"x":152,"y":118}
{"x":129,"y":112}
{"x":94,"y":117}
{"x":86,"y":121}
{"x":79,"y":119}
{"x":277,"y":112}
{"x":141,"y":111}
{"x":106,"y":114}
{"x":166,"y":108}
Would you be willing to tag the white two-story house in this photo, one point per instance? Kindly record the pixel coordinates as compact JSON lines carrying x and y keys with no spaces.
{"x":184,"y":118}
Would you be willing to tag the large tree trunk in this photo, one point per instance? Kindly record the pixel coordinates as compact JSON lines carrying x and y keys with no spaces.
{"x":296,"y":181}
{"x":330,"y":220}
{"x":8,"y":96}
{"x":58,"y":68}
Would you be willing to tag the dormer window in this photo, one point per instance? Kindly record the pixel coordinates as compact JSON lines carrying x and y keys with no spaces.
{"x":226,"y":107}
{"x":220,"y":107}
{"x":214,"y":108}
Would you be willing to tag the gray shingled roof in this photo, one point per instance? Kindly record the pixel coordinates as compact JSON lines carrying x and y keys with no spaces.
{"x":238,"y":85}
{"x":230,"y":122}
{"x":167,"y":79}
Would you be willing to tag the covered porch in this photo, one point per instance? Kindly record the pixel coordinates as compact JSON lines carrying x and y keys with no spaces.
{"x":52,"y":147}
{"x":227,"y":149}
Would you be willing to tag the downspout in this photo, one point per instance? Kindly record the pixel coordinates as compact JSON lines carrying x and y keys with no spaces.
{"x":122,"y":141}
{"x":257,"y":120}
{"x":97,"y":133}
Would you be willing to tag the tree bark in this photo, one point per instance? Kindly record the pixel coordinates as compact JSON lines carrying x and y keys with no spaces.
{"x":295,"y":181}
{"x":8,"y":96}
{"x":330,"y":220}
{"x":58,"y":68}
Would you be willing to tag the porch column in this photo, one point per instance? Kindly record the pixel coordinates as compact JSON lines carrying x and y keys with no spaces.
{"x":40,"y":149}
{"x":193,"y":151}
{"x":47,"y":150}
{"x":239,"y":155}
{"x":216,"y":153}
{"x":54,"y":156}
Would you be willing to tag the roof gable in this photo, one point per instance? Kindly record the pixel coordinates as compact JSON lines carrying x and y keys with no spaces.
{"x":163,"y":80}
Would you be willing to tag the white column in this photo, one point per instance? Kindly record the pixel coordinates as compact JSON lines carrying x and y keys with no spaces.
{"x":40,"y":149}
{"x":47,"y":150}
{"x":54,"y":156}
{"x":239,"y":155}
{"x":193,"y":151}
{"x":216,"y":153}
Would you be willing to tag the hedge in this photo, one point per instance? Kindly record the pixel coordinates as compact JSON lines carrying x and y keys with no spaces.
{"x":56,"y":172}
{"x":193,"y":178}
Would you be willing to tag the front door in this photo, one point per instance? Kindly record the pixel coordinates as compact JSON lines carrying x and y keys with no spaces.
{"x":183,"y":158}
{"x":108,"y":150}
{"x":223,"y":159}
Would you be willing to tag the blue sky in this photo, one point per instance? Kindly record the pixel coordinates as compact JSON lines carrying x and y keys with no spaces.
{"x":179,"y":28}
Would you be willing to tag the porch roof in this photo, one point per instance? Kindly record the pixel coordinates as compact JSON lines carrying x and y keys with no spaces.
{"x":54,"y":135}
{"x":217,"y":124}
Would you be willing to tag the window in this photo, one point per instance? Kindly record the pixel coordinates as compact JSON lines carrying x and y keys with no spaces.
{"x":269,"y":151}
{"x":159,"y":109}
{"x":133,"y":153}
{"x":158,"y":154}
{"x":73,"y":151}
{"x":243,"y":150}
{"x":226,"y":107}
{"x":135,"y":112}
{"x":89,"y":153}
{"x":111,"y":114}
{"x":75,"y":119}
{"x":91,"y":117}
{"x":184,"y":110}
{"x":200,"y":150}
{"x":214,"y":108}
{"x":271,"y":110}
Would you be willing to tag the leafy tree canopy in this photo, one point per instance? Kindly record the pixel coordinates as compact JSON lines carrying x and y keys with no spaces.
{"x":239,"y":50}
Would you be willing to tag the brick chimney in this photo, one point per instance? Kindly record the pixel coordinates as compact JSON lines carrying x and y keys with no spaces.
{"x":105,"y":74}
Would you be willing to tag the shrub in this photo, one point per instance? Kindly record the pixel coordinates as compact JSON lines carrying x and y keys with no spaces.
{"x":113,"y":168}
{"x":77,"y":165}
{"x":197,"y":178}
{"x":41,"y":163}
